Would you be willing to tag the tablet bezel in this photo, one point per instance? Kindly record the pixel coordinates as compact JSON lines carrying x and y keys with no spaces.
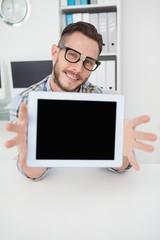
{"x":32,"y":129}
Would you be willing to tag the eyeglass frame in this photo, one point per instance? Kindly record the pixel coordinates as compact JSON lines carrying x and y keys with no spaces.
{"x":81,"y":57}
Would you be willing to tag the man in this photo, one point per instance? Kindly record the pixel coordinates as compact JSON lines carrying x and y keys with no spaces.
{"x":75,"y":57}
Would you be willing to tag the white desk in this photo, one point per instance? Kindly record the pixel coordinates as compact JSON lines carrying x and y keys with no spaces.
{"x":78,"y":204}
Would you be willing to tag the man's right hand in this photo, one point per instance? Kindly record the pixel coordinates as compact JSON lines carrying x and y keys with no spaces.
{"x":20,"y":141}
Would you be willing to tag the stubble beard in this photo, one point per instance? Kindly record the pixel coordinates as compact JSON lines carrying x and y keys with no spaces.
{"x":56,"y":79}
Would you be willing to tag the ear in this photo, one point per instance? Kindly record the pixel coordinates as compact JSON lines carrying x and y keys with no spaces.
{"x":54,"y":52}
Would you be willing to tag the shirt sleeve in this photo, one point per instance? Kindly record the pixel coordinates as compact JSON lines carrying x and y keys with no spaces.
{"x":14,"y":107}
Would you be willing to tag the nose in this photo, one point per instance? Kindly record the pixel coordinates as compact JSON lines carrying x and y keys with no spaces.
{"x":78,"y":67}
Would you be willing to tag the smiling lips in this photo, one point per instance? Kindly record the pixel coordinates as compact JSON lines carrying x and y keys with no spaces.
{"x":73,"y":77}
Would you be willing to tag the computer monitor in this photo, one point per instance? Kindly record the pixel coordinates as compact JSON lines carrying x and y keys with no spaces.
{"x":23,"y":74}
{"x":2,"y":84}
{"x":5,"y":91}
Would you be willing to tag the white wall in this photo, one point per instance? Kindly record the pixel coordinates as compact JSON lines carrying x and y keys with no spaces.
{"x":141,"y":65}
{"x":140,"y":54}
{"x":35,"y":38}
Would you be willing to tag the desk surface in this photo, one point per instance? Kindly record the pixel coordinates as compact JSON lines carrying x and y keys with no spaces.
{"x":80,"y":204}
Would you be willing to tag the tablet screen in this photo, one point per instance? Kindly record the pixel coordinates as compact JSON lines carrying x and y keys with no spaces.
{"x":76,"y":129}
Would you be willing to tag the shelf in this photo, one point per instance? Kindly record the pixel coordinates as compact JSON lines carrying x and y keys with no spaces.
{"x":89,"y":8}
{"x":110,"y":57}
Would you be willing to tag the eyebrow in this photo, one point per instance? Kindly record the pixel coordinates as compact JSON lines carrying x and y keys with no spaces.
{"x":63,"y":46}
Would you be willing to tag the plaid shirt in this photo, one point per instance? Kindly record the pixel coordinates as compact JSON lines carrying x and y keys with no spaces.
{"x":44,"y":85}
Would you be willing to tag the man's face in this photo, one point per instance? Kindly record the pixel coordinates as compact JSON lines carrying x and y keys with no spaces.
{"x":69,"y":76}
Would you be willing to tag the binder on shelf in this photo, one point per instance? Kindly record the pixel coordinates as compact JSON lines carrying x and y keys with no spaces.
{"x":70,"y":2}
{"x":107,"y":2}
{"x":63,"y":22}
{"x":77,"y":2}
{"x":77,"y":17}
{"x":63,"y":3}
{"x":85,"y":17}
{"x":93,"y":78}
{"x":110,"y":75}
{"x":100,"y":2}
{"x":113,"y":2}
{"x":93,"y":18}
{"x":112,"y":32}
{"x":93,"y":2}
{"x":82,"y":2}
{"x":69,"y":18}
{"x":101,"y":75}
{"x":103,"y":25}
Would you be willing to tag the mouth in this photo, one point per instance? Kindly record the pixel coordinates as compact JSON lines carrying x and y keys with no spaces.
{"x":71,"y":76}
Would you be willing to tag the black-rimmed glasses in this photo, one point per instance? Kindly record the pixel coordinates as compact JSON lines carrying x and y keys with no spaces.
{"x":74,"y":56}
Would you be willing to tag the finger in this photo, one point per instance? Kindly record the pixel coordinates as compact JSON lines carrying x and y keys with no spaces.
{"x":145,"y":136}
{"x":139,"y":120}
{"x":143,"y":146}
{"x":133,"y":162}
{"x":11,"y":143}
{"x":11,"y":127}
{"x":22,"y":156}
{"x":23,"y":114}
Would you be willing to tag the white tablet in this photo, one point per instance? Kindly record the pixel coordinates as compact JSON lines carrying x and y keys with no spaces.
{"x":75,"y":129}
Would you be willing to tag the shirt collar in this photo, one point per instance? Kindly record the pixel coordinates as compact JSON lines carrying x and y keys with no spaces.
{"x":48,"y":87}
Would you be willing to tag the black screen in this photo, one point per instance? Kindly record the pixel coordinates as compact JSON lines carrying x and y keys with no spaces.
{"x":71,"y":129}
{"x":27,"y":73}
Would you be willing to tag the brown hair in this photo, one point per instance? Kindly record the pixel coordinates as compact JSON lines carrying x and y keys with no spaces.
{"x":85,"y":28}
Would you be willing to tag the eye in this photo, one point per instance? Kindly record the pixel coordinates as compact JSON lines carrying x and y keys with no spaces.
{"x":89,"y":62}
{"x":73,"y":55}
